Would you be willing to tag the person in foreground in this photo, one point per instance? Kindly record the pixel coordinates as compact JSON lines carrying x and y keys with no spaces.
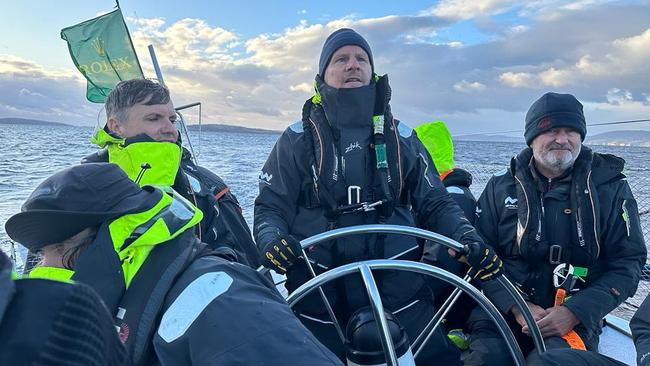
{"x":175,"y":301}
{"x":349,"y":162}
{"x":45,"y":322}
{"x":141,"y":137}
{"x":566,"y":224}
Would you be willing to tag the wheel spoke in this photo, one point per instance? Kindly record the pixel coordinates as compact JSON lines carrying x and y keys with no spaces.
{"x":428,"y":331}
{"x":380,"y":318}
{"x":326,"y":302}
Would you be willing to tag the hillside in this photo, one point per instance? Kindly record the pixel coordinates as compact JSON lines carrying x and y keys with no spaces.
{"x":229,"y":128}
{"x":488,"y":138}
{"x":621,"y":138}
{"x":613,"y":138}
{"x":26,"y":121}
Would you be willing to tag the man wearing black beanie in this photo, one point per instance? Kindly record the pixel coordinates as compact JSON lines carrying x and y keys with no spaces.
{"x":566,"y":221}
{"x":349,"y":162}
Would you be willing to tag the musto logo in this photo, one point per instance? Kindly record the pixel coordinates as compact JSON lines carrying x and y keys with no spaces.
{"x":510,"y":203}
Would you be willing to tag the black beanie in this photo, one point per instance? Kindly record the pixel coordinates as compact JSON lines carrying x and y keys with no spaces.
{"x":554,"y":110}
{"x":338,"y":39}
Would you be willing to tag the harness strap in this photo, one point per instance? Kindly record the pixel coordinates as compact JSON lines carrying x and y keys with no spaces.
{"x":221,"y":193}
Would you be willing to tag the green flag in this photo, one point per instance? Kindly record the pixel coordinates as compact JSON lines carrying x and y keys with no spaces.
{"x":102,"y":51}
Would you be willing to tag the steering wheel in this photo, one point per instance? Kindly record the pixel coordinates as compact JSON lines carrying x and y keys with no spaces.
{"x":365,"y":269}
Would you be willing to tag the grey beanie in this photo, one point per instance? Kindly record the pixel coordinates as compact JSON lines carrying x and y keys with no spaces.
{"x":338,"y":39}
{"x":554,"y":110}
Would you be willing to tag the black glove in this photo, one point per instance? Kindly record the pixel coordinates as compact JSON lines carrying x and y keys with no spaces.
{"x":279,"y":251}
{"x":484,"y":261}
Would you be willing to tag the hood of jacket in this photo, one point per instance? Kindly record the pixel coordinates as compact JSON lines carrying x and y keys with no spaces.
{"x":458,"y":177}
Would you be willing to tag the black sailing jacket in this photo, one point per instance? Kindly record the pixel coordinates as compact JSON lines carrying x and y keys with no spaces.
{"x":281,"y":204}
{"x":598,"y":226}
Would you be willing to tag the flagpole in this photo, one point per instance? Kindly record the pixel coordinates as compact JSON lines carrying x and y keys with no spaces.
{"x":156,"y":67}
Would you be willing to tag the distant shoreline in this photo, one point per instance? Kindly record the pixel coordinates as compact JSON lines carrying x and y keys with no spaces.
{"x":626,"y":138}
{"x":32,"y":122}
{"x":205,"y":127}
{"x":230,"y":128}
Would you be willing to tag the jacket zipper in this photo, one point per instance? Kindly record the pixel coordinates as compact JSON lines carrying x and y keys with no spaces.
{"x":593,"y":211}
{"x":527,"y":209}
{"x":538,"y":236}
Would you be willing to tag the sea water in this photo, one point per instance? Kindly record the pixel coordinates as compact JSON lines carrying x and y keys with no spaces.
{"x":29,"y":154}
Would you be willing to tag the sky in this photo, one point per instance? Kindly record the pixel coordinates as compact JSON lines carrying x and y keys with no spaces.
{"x":476,"y":64}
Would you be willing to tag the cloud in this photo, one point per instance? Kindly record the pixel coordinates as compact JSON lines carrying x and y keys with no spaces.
{"x":30,"y":90}
{"x":435,"y":72}
{"x":519,"y":79}
{"x":620,"y":60}
{"x":29,"y":93}
{"x":467,"y":87}
{"x":302,"y":87}
{"x":468,"y":9}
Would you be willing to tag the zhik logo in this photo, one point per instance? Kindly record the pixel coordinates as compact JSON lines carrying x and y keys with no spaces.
{"x":353,"y":146}
{"x":266,"y":178}
{"x":511,"y":203}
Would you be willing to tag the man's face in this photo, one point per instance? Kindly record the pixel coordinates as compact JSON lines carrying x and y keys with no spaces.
{"x":349,"y":67}
{"x":556,"y":149}
{"x":156,"y":120}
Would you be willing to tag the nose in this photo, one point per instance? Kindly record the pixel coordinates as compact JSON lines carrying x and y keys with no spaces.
{"x":168,"y":128}
{"x":353,"y":64}
{"x":562,"y":136}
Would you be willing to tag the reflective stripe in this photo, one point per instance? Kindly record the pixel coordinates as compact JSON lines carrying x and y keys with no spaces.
{"x":194,"y":183}
{"x":187,"y":307}
{"x":404,"y":130}
{"x":426,"y":169}
{"x":454,"y":189}
{"x":296,"y":127}
{"x":501,"y":172}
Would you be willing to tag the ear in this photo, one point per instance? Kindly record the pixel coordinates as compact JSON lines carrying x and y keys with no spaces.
{"x":115,"y":126}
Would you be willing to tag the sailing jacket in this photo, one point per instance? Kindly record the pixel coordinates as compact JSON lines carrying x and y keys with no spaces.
{"x":222,"y":313}
{"x":589,"y":213}
{"x":343,"y":148}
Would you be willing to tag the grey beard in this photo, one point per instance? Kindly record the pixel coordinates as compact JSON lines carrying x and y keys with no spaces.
{"x":557,"y":165}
